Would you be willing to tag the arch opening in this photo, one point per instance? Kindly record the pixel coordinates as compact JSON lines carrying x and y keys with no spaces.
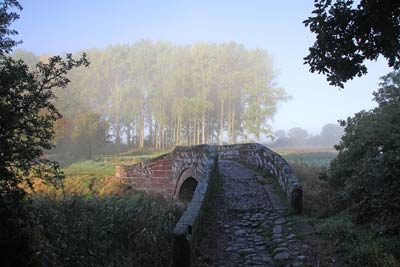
{"x":187,"y":189}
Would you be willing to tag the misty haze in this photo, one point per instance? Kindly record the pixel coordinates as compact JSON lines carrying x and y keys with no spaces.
{"x":200,"y":133}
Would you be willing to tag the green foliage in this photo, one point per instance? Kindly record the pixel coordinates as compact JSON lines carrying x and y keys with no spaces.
{"x":349,"y":35}
{"x":362,"y":247}
{"x":366,"y":171}
{"x":7,"y":18}
{"x":114,"y":231}
{"x":27,"y":114}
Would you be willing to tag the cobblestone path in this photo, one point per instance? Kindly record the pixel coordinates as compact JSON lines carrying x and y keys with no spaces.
{"x":256,"y":230}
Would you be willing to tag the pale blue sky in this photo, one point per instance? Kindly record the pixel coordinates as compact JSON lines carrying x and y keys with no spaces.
{"x":57,"y":26}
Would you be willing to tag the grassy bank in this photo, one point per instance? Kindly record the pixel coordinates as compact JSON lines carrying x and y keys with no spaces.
{"x":87,"y":178}
{"x":94,"y":177}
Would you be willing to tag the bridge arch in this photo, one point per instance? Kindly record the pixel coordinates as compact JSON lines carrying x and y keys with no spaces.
{"x":186,"y":185}
{"x":186,"y":192}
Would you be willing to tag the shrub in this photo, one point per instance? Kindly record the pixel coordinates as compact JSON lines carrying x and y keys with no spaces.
{"x":366,"y":172}
{"x":362,"y":247}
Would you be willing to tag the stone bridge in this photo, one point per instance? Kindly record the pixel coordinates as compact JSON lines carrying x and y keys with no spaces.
{"x":174,"y":175}
{"x":187,"y":174}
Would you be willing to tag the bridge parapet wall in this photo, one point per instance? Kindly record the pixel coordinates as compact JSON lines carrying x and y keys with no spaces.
{"x":260,"y":156}
{"x":188,"y":229}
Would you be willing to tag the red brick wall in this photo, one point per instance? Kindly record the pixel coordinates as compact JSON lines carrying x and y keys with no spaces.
{"x":153,"y":176}
{"x":162,"y":174}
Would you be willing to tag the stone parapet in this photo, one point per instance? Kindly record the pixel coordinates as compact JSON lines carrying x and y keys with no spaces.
{"x":259,"y":156}
{"x":187,"y":230}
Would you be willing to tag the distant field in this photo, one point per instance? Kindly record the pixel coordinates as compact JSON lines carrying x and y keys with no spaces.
{"x":131,"y":156}
{"x":303,"y":150}
{"x":319,"y":159}
{"x":320,"y":156}
{"x":126,"y":159}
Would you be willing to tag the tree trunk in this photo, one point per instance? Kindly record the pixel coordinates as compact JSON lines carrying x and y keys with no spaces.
{"x":151,"y":139}
{"x":194,"y":132}
{"x":161,"y":136}
{"x":117,"y":131}
{"x":233,"y":127}
{"x":179,"y":140}
{"x":156,"y":135}
{"x":141,"y":131}
{"x":203,"y":129}
{"x":221,"y":124}
{"x":128,"y":134}
{"x":189,"y":132}
{"x":198,"y":132}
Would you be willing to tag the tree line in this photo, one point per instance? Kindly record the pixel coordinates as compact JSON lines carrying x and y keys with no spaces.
{"x":330,"y":135}
{"x":159,"y":94}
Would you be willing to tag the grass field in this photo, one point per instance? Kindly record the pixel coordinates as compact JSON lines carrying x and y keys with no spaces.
{"x":319,"y":156}
{"x":132,"y":156}
{"x":89,"y":168}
